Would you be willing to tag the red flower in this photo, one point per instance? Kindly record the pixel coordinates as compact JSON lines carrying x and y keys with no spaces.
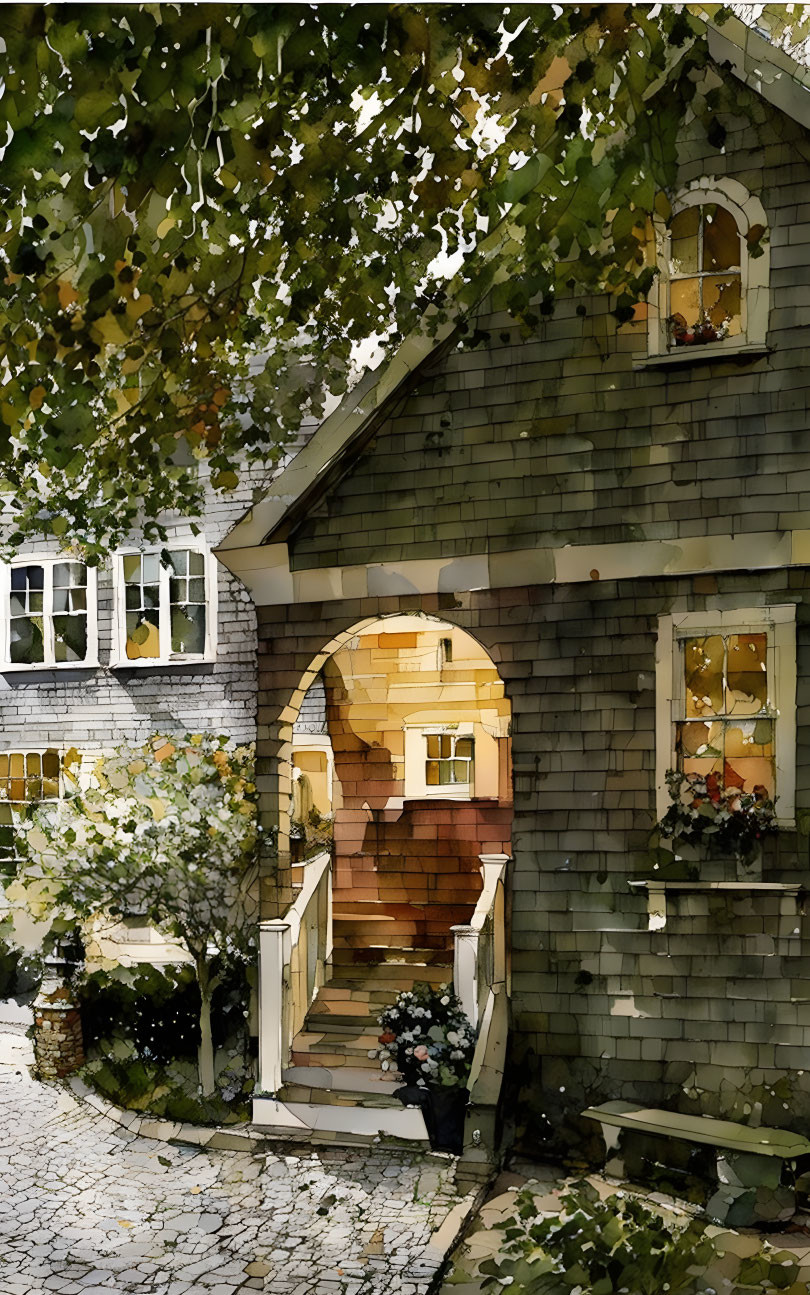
{"x":388,"y":1037}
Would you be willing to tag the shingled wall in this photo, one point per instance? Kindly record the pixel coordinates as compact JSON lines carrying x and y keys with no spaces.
{"x":558,"y":440}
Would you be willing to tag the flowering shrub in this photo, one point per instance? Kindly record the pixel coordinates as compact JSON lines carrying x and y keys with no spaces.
{"x":728,"y":819}
{"x":426,"y":1034}
{"x":167,"y":830}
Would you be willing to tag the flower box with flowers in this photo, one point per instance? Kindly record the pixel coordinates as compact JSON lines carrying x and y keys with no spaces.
{"x":697,"y":334}
{"x":710,"y":821}
{"x":428,"y":1039}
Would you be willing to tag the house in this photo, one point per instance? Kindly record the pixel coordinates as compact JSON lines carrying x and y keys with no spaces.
{"x":98,"y":657}
{"x":518,"y":583}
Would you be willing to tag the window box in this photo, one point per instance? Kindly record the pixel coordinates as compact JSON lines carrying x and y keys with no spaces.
{"x":165,"y":606}
{"x":726,"y":701}
{"x":711,"y":297}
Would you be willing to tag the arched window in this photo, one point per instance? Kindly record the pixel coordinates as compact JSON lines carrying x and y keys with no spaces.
{"x":705,"y":269}
{"x":713,"y":272}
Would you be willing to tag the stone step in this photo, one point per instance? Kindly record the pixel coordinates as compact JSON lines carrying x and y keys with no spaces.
{"x":394,"y":939}
{"x":352,"y":1125}
{"x":332,"y":1048}
{"x":383,"y":956}
{"x":344,"y":1086}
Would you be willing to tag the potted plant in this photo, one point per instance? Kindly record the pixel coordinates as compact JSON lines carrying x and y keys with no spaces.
{"x":427,"y":1037}
{"x":697,"y":334}
{"x":706,"y":817}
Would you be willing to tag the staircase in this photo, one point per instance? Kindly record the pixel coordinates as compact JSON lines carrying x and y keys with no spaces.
{"x":378,"y":952}
{"x":329,"y":967}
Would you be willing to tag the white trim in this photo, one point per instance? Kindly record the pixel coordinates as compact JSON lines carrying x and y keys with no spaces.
{"x":47,"y":562}
{"x":780,"y":622}
{"x":118,"y":655}
{"x":265,"y":569}
{"x":747,"y":211}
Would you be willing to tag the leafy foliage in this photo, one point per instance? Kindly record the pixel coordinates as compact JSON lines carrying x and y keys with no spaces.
{"x":617,"y":1246}
{"x":141,"y":1033}
{"x":597,"y":1247}
{"x":167,"y":831}
{"x":198,"y":202}
{"x":705,"y":812}
{"x":429,"y":1036}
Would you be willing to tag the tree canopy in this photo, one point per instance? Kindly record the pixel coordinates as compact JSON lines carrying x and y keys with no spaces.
{"x":205,"y":207}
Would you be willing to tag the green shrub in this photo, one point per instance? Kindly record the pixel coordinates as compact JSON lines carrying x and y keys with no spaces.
{"x":618,"y":1246}
{"x":615,"y":1246}
{"x":141,"y":1031}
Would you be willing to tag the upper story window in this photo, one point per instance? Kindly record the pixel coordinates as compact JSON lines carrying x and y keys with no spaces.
{"x":50,"y":615}
{"x":705,"y":284}
{"x":166,"y":606}
{"x":727,"y":700}
{"x":713,"y":260}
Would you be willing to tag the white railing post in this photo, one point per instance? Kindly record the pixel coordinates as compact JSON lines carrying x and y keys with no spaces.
{"x":465,"y":969}
{"x":293,"y":955}
{"x":273,"y":956}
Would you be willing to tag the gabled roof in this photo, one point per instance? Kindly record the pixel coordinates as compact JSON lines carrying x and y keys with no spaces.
{"x":767,"y":70}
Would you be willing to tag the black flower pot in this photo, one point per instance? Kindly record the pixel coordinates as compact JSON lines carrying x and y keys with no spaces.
{"x":448,"y":1107}
{"x":444,"y":1110}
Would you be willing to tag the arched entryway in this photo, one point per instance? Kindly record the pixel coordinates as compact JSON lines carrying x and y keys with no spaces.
{"x":395,"y":783}
{"x":402,"y":743}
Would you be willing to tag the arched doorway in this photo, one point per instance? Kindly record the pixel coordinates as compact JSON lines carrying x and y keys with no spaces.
{"x":402,"y":742}
{"x":396,"y":744}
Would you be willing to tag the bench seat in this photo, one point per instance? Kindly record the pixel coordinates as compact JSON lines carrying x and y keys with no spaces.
{"x":754,"y":1165}
{"x":702,"y":1128}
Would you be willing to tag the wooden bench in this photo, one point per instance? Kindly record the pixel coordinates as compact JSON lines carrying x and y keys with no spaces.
{"x":754,"y":1165}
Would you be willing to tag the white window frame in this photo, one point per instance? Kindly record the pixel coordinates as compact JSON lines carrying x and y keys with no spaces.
{"x":416,"y":787}
{"x":119,"y":659}
{"x":48,"y":563}
{"x":747,"y":211}
{"x":779,"y":623}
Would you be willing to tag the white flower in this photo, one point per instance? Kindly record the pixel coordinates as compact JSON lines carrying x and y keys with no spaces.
{"x":445,"y":1000}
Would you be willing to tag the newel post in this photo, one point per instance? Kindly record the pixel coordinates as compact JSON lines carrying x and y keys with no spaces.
{"x":465,"y":969}
{"x":274,"y":943}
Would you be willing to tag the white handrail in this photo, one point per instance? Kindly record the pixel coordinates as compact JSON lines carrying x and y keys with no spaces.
{"x":293,"y":953}
{"x":480,"y":948}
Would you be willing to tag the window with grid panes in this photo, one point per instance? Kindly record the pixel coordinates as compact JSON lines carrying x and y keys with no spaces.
{"x":50,"y":613}
{"x":450,"y":760}
{"x":705,"y":276}
{"x":728,"y":722}
{"x":166,"y":605}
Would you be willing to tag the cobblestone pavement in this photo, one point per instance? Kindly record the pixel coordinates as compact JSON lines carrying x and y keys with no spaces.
{"x":89,"y":1209}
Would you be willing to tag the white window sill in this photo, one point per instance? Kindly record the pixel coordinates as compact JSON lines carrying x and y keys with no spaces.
{"x":157,"y":663}
{"x":702,"y":354}
{"x":45,"y":667}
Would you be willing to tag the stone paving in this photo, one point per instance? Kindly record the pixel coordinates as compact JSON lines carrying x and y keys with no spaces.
{"x":87,"y":1208}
